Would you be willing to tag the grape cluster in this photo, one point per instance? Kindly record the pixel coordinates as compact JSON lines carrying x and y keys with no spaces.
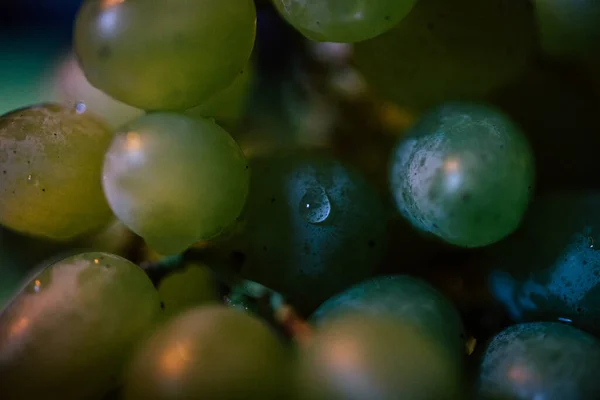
{"x":307,"y":199}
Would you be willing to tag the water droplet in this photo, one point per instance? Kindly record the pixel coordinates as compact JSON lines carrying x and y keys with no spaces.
{"x":315,"y":206}
{"x":33,"y":180}
{"x":80,"y":107}
{"x":591,"y":242}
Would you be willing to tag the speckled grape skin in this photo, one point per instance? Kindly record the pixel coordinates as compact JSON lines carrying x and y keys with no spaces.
{"x":50,"y":171}
{"x":550,"y":268}
{"x":464,"y":173}
{"x":164,"y":59}
{"x":211,"y":352}
{"x":413,"y":301}
{"x":343,"y":21}
{"x":175,"y":180}
{"x":70,"y":331}
{"x":310,"y":262}
{"x":549,"y":361}
{"x":365,"y":357}
{"x":569,"y":28}
{"x":450,"y":50}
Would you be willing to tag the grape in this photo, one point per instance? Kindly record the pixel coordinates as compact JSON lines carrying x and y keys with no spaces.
{"x":227,"y":106}
{"x":186,"y":288}
{"x":313,"y":227}
{"x":50,"y":169}
{"x":174,"y":58}
{"x":373,"y":357}
{"x":569,"y":28}
{"x":68,"y":333}
{"x":463,"y":174}
{"x":343,"y":20}
{"x":211,"y":352}
{"x":71,"y":87}
{"x":411,"y":300}
{"x":175,"y":180}
{"x":549,"y":361}
{"x":450,"y":50}
{"x":550,"y":268}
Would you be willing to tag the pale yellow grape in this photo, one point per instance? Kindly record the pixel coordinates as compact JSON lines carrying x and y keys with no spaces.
{"x":70,"y":87}
{"x":68,"y":334}
{"x":50,"y":171}
{"x":158,"y":55}
{"x":175,"y":180}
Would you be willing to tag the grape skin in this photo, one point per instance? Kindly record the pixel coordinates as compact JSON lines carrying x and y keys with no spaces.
{"x":69,"y":332}
{"x":210,"y":352}
{"x":175,"y":180}
{"x":50,"y":169}
{"x":464,"y":173}
{"x":151,"y":59}
{"x":343,"y":21}
{"x":551,"y":361}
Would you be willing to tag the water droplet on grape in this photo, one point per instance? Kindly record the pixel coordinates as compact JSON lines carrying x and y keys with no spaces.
{"x":315,"y":206}
{"x":591,"y":242}
{"x":80,"y":107}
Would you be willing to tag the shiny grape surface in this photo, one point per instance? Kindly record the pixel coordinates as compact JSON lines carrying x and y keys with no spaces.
{"x":374,"y":357}
{"x":550,"y":268}
{"x":130,"y":49}
{"x":412,"y":301}
{"x":549,"y":361}
{"x":463,"y":173}
{"x":69,"y":332}
{"x":50,"y":171}
{"x":312,"y":226}
{"x":175,"y":180}
{"x":210,"y":352}
{"x":343,"y":20}
{"x":450,"y":50}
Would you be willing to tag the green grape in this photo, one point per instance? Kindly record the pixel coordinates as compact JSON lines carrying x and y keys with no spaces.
{"x":69,"y":332}
{"x":175,"y":180}
{"x":71,"y":87}
{"x":450,"y":50}
{"x":344,"y":21}
{"x":183,"y":289}
{"x":464,"y":174}
{"x":227,"y":106}
{"x":50,"y":169}
{"x":411,"y":300}
{"x":313,"y":227}
{"x":158,"y":58}
{"x":569,"y":28}
{"x":550,"y":268}
{"x":549,"y":361}
{"x":362,"y":357}
{"x":211,"y":352}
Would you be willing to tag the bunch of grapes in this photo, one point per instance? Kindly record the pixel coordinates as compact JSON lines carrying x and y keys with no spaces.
{"x":307,"y":199}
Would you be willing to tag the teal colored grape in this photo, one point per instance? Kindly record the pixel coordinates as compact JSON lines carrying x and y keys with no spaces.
{"x":364,"y":357}
{"x":343,"y":20}
{"x":175,"y":180}
{"x":550,"y":268}
{"x":463,"y":173}
{"x":549,"y":361}
{"x":411,"y":300}
{"x":157,"y":58}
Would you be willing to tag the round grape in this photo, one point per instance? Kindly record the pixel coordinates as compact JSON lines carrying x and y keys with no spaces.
{"x":155,"y":56}
{"x":50,"y":169}
{"x":175,"y":180}
{"x":211,"y":352}
{"x":464,"y":173}
{"x":450,"y":50}
{"x":550,"y":268}
{"x":344,"y":21}
{"x":313,"y":227}
{"x":411,"y":300}
{"x":364,"y":357}
{"x":549,"y":361}
{"x":70,"y":331}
